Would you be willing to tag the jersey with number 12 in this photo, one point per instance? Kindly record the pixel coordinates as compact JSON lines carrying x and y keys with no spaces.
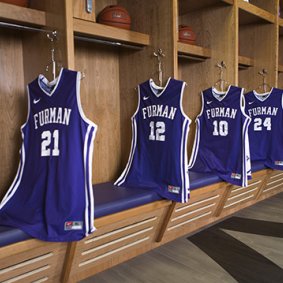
{"x":51,"y":197}
{"x":158,"y":157}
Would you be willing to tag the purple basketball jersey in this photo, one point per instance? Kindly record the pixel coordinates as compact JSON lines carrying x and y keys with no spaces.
{"x":51,"y":197}
{"x":158,"y":157}
{"x":221,"y":142}
{"x":265,"y":132}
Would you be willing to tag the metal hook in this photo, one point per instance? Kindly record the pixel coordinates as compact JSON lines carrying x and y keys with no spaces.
{"x":264,"y":73}
{"x":52,"y":35}
{"x":159,"y":54}
{"x":221,"y":65}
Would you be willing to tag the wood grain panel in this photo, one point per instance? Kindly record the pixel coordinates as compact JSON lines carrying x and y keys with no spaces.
{"x":30,"y":17}
{"x":13,"y":105}
{"x":79,"y":10}
{"x":262,"y":51}
{"x":110,"y":33}
{"x":101,"y":103}
{"x":270,"y":6}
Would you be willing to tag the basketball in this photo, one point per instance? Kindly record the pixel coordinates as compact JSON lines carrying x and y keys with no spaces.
{"x":23,"y":3}
{"x":187,"y":35}
{"x":115,"y":15}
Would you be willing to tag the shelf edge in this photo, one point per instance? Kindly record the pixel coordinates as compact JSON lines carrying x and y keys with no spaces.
{"x":194,"y":50}
{"x":16,"y":14}
{"x":256,"y":11}
{"x":111,"y":33}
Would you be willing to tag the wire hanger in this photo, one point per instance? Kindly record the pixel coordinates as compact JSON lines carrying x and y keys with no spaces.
{"x":53,"y":65}
{"x":159,"y":55}
{"x":221,"y":84}
{"x":264,"y":87}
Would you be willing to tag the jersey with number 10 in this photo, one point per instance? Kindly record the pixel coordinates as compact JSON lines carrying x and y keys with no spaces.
{"x":158,"y":157}
{"x":266,"y":129}
{"x":221,"y":142}
{"x":51,"y":197}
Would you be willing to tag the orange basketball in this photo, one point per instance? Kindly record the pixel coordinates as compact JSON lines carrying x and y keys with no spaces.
{"x":115,"y":15}
{"x":187,"y":35}
{"x":23,"y":3}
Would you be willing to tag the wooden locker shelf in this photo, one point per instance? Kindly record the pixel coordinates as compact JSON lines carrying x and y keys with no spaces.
{"x":190,"y":6}
{"x":249,"y":13}
{"x":280,"y":68}
{"x":245,"y":62}
{"x":193,"y":51}
{"x":27,"y":16}
{"x":280,"y":22}
{"x":110,"y":33}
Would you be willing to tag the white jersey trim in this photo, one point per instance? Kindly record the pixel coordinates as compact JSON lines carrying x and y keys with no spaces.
{"x":28,"y":114}
{"x":86,"y":182}
{"x":78,"y":94}
{"x":18,"y":178}
{"x":90,"y":158}
{"x":55,"y":82}
{"x":181,"y":104}
{"x":124,"y":174}
{"x":153,"y":85}
{"x":139,"y":99}
{"x":195,"y":149}
{"x":183,"y":163}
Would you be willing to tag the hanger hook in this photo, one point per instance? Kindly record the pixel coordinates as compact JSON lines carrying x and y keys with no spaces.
{"x":52,"y":35}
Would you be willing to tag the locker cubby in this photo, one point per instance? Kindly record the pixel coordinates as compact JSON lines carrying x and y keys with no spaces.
{"x":214,"y":26}
{"x":112,"y":73}
{"x":257,"y":43}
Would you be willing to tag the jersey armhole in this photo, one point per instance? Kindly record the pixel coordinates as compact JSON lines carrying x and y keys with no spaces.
{"x":243,"y":104}
{"x":202,"y":105}
{"x":78,"y":95}
{"x":28,"y":114}
{"x":181,"y":103}
{"x":282,"y":101}
{"x":138,"y":107}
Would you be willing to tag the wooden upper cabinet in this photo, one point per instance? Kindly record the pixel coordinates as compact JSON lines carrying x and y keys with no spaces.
{"x":80,"y":10}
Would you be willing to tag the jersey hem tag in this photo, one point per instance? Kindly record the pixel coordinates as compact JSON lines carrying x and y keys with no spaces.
{"x":236,"y":176}
{"x":73,"y":225}
{"x":173,"y":189}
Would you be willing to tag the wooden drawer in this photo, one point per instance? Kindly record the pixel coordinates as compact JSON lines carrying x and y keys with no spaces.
{"x":32,"y":261}
{"x":240,"y":195}
{"x":274,"y":183}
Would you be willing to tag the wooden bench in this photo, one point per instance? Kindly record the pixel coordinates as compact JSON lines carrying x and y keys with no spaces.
{"x":131,"y":222}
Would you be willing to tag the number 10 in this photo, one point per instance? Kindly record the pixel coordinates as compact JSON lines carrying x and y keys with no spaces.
{"x":221,"y":128}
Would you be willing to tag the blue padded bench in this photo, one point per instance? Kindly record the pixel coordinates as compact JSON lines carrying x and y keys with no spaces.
{"x":108,"y":200}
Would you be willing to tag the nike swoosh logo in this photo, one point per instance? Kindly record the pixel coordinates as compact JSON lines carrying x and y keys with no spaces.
{"x":145,"y":97}
{"x":251,"y":102}
{"x":36,"y":101}
{"x":208,"y":102}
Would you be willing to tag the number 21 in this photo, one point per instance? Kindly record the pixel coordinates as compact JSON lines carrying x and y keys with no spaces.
{"x":46,"y":141}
